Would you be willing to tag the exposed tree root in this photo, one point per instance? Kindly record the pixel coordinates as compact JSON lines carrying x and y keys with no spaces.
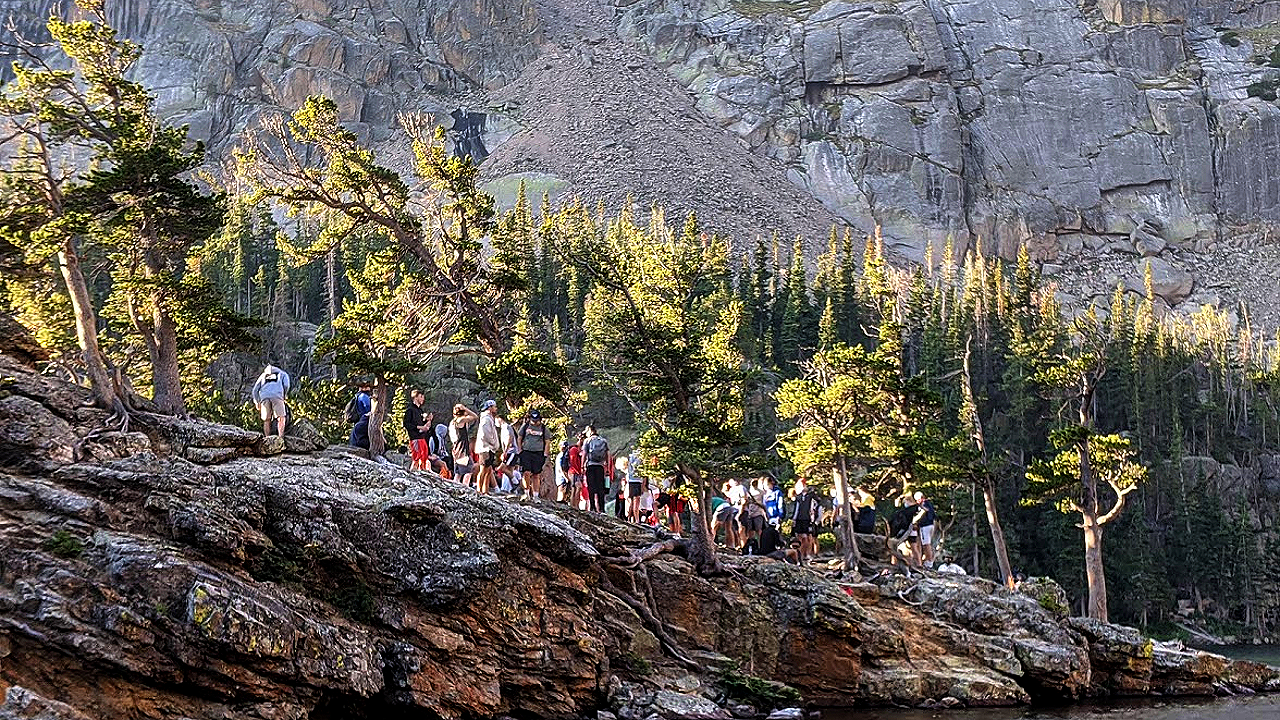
{"x":636,"y":557}
{"x":652,"y":623}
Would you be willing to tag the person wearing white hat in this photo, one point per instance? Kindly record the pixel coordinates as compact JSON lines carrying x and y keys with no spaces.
{"x":268,"y":394}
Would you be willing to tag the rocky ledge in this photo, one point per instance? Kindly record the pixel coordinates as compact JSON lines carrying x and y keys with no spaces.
{"x":141,"y":579}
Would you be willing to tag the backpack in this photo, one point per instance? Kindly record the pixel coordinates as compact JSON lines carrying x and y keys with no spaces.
{"x":564,"y":461}
{"x":597,"y":451}
{"x":352,"y":410}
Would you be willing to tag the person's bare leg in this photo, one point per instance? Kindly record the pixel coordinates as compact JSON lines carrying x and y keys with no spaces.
{"x":280,"y":425}
{"x":266,"y":427}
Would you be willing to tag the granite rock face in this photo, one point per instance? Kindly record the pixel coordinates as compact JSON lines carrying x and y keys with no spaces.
{"x":139,"y":583}
{"x":1089,"y":131}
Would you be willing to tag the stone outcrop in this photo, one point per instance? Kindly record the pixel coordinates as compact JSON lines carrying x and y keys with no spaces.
{"x":137,"y":582}
{"x":1100,"y":134}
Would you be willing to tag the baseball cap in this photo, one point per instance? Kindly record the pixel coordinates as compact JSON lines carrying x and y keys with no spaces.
{"x":487,"y":404}
{"x":535,"y":415}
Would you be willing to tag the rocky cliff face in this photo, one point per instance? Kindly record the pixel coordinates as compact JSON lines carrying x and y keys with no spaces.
{"x":1102,"y":134}
{"x":188,"y":569}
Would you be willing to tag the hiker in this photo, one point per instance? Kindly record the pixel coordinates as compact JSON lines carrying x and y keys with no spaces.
{"x":772,"y":501}
{"x":724,"y":515}
{"x":648,"y":514}
{"x":628,"y":479}
{"x":805,"y":516}
{"x":926,"y":524}
{"x":488,"y":446}
{"x":865,"y":520}
{"x":460,"y":445}
{"x":269,"y":392}
{"x":617,"y":475}
{"x":507,"y":473}
{"x":577,"y":475}
{"x":417,"y":426}
{"x":360,"y":433}
{"x":442,"y":451}
{"x":899,"y":524}
{"x":671,"y":501}
{"x":595,"y":455}
{"x":751,"y":517}
{"x":533,"y":454}
{"x":561,"y":469}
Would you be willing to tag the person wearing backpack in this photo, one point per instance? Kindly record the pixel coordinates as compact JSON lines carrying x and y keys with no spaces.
{"x":269,"y":392}
{"x":361,"y":404}
{"x":533,"y":454}
{"x":595,"y":455}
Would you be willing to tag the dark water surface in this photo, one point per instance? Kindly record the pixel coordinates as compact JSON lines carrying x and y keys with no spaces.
{"x":1264,"y":707}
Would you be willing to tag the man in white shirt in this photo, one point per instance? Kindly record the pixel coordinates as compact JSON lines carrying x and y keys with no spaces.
{"x":488,"y":446}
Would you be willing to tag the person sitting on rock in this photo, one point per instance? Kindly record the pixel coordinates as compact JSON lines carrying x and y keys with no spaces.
{"x":269,"y":392}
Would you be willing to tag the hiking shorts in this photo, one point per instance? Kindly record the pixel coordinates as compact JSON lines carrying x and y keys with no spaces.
{"x":488,"y":459}
{"x":926,"y":535}
{"x":635,"y":489}
{"x":532,"y":461}
{"x":419,"y":451}
{"x":726,"y":513}
{"x":271,"y":408}
{"x":802,"y":527}
{"x":753,"y":523}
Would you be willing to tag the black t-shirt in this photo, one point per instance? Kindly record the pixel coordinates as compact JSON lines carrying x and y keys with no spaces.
{"x":414,"y":417}
{"x":770,"y":540}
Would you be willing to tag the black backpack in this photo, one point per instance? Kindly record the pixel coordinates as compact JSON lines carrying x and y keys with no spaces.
{"x":352,"y":411}
{"x":564,"y":461}
{"x":597,"y":451}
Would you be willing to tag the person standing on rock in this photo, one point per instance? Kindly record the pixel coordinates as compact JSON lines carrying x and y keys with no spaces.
{"x":927,"y":515}
{"x":460,"y":442}
{"x":533,"y":454}
{"x":805,"y":516}
{"x":488,"y":446}
{"x":269,"y":392}
{"x":595,"y":455}
{"x":772,"y":501}
{"x":417,"y":426}
{"x":562,"y":465}
{"x":577,"y":475}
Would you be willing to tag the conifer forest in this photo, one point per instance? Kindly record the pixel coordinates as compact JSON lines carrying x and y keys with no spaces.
{"x":1119,"y":440}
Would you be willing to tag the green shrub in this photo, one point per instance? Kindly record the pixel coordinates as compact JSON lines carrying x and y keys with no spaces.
{"x":64,"y":544}
{"x":826,"y":542}
{"x":1230,"y":38}
{"x":1049,"y":602}
{"x":638,"y":666}
{"x":756,"y":691}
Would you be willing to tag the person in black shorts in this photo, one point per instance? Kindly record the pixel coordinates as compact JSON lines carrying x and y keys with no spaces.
{"x":805,"y":515}
{"x":533,"y":454}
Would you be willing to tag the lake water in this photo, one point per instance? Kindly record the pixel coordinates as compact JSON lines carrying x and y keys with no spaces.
{"x":1260,"y":707}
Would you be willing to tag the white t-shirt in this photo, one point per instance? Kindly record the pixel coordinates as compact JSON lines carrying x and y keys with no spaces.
{"x":737,"y":495}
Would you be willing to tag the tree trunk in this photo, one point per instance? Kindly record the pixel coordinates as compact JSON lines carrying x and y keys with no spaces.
{"x":377,"y":418}
{"x":702,"y":548}
{"x":166,"y":382}
{"x":1093,"y":568}
{"x":997,"y":532}
{"x":852,"y":557}
{"x":87,"y":329}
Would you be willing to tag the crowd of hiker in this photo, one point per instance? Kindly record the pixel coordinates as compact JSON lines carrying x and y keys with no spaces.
{"x":485,"y":451}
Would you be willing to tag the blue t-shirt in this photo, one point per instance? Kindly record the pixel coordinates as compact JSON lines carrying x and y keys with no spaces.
{"x":364,"y":402}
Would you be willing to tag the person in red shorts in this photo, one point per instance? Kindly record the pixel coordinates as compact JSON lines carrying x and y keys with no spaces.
{"x":417,"y":425}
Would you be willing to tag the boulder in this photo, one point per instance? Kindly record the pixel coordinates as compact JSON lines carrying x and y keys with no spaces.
{"x":1168,"y":280}
{"x":1121,"y":658}
{"x":302,"y":436}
